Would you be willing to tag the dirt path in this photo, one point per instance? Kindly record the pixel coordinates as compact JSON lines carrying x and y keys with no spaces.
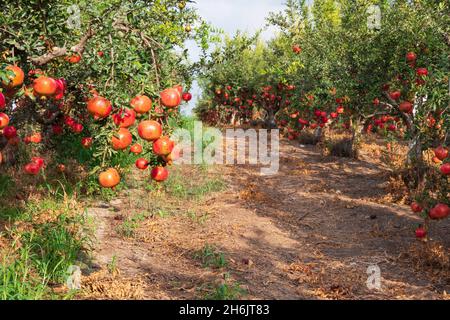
{"x":310,"y":232}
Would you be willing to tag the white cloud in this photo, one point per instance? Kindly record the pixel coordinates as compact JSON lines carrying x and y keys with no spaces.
{"x":230,"y":16}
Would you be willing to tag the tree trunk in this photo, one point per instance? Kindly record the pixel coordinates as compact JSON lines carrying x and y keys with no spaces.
{"x":270,"y":119}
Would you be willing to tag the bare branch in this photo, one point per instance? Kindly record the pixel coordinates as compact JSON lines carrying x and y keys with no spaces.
{"x":60,"y":52}
{"x":46,"y":58}
{"x":81,"y":46}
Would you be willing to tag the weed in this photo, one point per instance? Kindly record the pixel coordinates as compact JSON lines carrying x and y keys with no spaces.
{"x":18,"y":280}
{"x":51,"y":237}
{"x":211,"y":258}
{"x":200,"y":219}
{"x":113,"y":266}
{"x":129,"y":226}
{"x":180,"y":187}
{"x":227,"y":290}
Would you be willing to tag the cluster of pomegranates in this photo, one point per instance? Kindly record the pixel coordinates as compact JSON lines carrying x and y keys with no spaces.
{"x":310,"y":118}
{"x":149,"y":130}
{"x":385,"y":122}
{"x":15,"y":80}
{"x":99,"y":108}
{"x":43,"y":87}
{"x":405,"y":106}
{"x":442,"y":154}
{"x":441,"y":210}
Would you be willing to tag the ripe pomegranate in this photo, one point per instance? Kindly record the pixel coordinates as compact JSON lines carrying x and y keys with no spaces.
{"x":150,"y":130}
{"x":69,"y":121}
{"x":39,"y":161}
{"x":136,"y":149}
{"x":125,"y":119}
{"x":303,"y":122}
{"x":340,"y":110}
{"x":87,"y":142}
{"x":77,"y":127}
{"x":440,"y":211}
{"x":141,"y":104}
{"x":10,"y":132}
{"x":75,"y":58}
{"x":411,"y":57}
{"x":159,"y":174}
{"x":334,"y":115}
{"x":36,"y":137}
{"x":441,"y":153}
{"x":163,"y":146}
{"x":2,"y":101}
{"x":122,"y":139}
{"x":406,"y":107}
{"x":4,"y":120}
{"x":445,"y":169}
{"x":57,"y":129}
{"x":170,"y":98}
{"x":395,"y":95}
{"x":15,"y":80}
{"x":32,"y":168}
{"x":109,"y":178}
{"x":187,"y":96}
{"x":99,"y":107}
{"x":392,"y":127}
{"x":142,"y":164}
{"x":417,"y":208}
{"x":296,"y":49}
{"x":45,"y":86}
{"x":61,"y":88}
{"x":421,"y":233}
{"x":376,"y":102}
{"x":61,"y":168}
{"x":422,"y":72}
{"x":100,"y":54}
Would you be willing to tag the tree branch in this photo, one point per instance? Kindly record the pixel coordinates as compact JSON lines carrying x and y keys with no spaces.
{"x":406,"y":118}
{"x":60,"y":52}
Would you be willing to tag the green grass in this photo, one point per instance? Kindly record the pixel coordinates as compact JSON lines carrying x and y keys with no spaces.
{"x":113,"y":265}
{"x":197,"y":218}
{"x":211,"y":258}
{"x":17,"y":278}
{"x":179,"y":186}
{"x":48,"y":247}
{"x":225,"y":291}
{"x":55,"y":246}
{"x":129,"y":226}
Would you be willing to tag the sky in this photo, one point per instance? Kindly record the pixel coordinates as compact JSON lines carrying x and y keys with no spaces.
{"x":230,"y":16}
